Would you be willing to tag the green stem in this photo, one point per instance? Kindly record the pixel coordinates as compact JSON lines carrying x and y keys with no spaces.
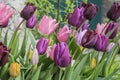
{"x":58,"y":10}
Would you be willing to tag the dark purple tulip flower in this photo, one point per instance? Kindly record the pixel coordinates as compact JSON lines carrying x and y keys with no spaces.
{"x":112,"y":26}
{"x":28,"y":11}
{"x":90,"y":11}
{"x":101,"y":43}
{"x":42,"y":45}
{"x":114,"y":12}
{"x":62,"y":57}
{"x":89,"y":39}
{"x":4,"y":53}
{"x":76,"y":18}
{"x":31,"y":22}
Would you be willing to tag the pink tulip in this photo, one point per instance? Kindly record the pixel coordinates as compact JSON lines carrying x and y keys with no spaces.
{"x":99,"y":28}
{"x":63,"y":34}
{"x":50,"y":52}
{"x":47,"y":25}
{"x":5,"y":13}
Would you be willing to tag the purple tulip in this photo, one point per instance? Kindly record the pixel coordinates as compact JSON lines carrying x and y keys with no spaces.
{"x":101,"y":43}
{"x":89,"y":39}
{"x":28,"y":11}
{"x":85,"y":26}
{"x":4,"y":53}
{"x":76,"y":18}
{"x":62,"y":57}
{"x":31,"y":22}
{"x":114,"y":11}
{"x":90,"y":11}
{"x":42,"y":45}
{"x":111,"y":26}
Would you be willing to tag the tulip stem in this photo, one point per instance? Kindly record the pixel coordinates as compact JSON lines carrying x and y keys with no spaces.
{"x":105,"y":26}
{"x":58,"y":10}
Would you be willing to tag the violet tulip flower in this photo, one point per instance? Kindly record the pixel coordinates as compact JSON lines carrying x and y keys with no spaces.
{"x":112,"y":26}
{"x":31,"y":22}
{"x":110,"y":47}
{"x":114,"y":12}
{"x":42,"y":45}
{"x":87,"y":38}
{"x":28,"y":11}
{"x":47,"y":25}
{"x":101,"y":43}
{"x":62,"y":56}
{"x":63,"y":34}
{"x":5,"y":13}
{"x":85,"y":26}
{"x":4,"y":53}
{"x":76,"y":18}
{"x":90,"y":11}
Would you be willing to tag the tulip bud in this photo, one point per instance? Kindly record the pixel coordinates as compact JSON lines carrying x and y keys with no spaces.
{"x":34,"y":59}
{"x":101,"y":43}
{"x":119,"y":43}
{"x":93,"y":63}
{"x":63,"y":34}
{"x":89,"y":39}
{"x":111,"y":26}
{"x":85,"y":26}
{"x":47,"y":25}
{"x":76,"y":18}
{"x":90,"y":11}
{"x":62,"y":57}
{"x":14,"y":69}
{"x":4,"y":53}
{"x":114,"y":12}
{"x":31,"y":22}
{"x":28,"y":11}
{"x":110,"y":47}
{"x":42,"y":45}
{"x":5,"y":13}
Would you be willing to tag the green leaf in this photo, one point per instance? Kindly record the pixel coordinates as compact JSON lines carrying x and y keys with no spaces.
{"x":5,"y":39}
{"x":32,"y":39}
{"x":79,"y":68}
{"x":24,"y":44}
{"x":97,"y":70}
{"x":37,"y":73}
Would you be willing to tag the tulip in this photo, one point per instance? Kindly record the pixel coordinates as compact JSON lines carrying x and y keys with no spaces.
{"x":93,"y":63}
{"x":101,"y":43}
{"x":80,"y":36}
{"x":88,"y":39}
{"x":34,"y":59}
{"x":100,"y":27}
{"x":14,"y":69}
{"x":119,"y":43}
{"x":4,"y":53}
{"x":114,"y":12}
{"x":76,"y":18}
{"x":50,"y":53}
{"x":62,"y":57}
{"x":47,"y":25}
{"x":90,"y":11}
{"x":28,"y":11}
{"x":63,"y":34}
{"x":31,"y":22}
{"x":85,"y":26}
{"x":110,"y":47}
{"x":42,"y":45}
{"x":111,"y":26}
{"x":5,"y":13}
